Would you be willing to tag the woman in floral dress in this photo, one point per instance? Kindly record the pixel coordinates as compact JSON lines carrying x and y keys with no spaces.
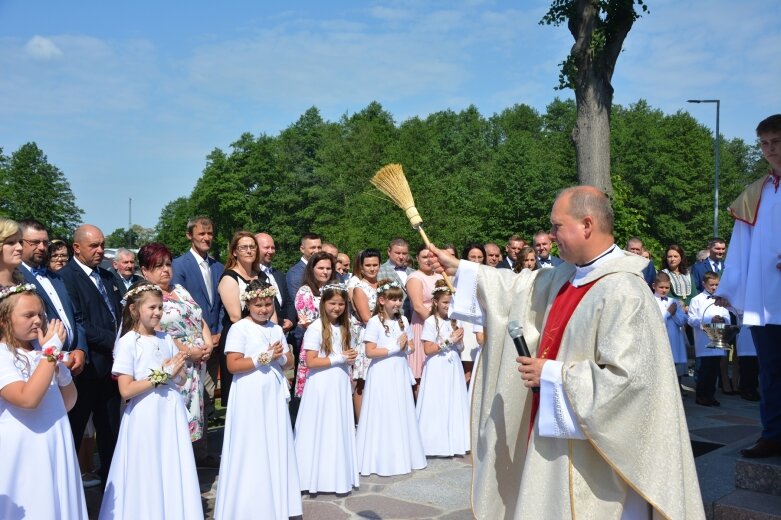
{"x":182,"y":319}
{"x":363,"y":297}
{"x":320,"y":270}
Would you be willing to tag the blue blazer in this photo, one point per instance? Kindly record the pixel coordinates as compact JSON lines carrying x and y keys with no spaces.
{"x":294,"y":278}
{"x":698,"y":270}
{"x":187,"y":273}
{"x":287,"y":310}
{"x":100,"y":327}
{"x":79,"y":337}
{"x":649,"y":273}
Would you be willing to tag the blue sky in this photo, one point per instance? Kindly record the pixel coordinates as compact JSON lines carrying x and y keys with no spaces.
{"x":128,"y":98}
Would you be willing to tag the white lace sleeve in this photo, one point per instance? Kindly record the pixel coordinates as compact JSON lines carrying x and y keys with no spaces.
{"x":464,"y":306}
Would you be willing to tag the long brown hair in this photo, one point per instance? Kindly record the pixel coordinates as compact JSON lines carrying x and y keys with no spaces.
{"x":389,"y":293}
{"x":309,"y":272}
{"x":440,"y":289}
{"x":232,"y":262}
{"x":330,"y":293}
{"x":130,"y":317}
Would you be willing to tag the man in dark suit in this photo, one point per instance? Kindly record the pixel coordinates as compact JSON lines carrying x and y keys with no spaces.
{"x":124,"y":266}
{"x":397,"y":268}
{"x":283,"y":303}
{"x":51,"y":289}
{"x":200,"y":274}
{"x":96,"y":301}
{"x":717,"y":248}
{"x":514,"y":245}
{"x":310,"y":244}
{"x":635,"y":245}
{"x":542,"y":245}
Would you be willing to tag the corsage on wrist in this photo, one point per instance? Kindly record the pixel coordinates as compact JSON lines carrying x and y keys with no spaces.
{"x":158,"y":377}
{"x":264,"y":358}
{"x":444,"y":346}
{"x":53,"y":354}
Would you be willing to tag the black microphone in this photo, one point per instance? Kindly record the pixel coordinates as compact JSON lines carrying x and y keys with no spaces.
{"x":516,"y":333}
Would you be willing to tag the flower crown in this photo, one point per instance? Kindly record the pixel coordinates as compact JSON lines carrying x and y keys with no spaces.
{"x":333,"y":287}
{"x":135,"y":291}
{"x":16,"y":289}
{"x":266,"y":292}
{"x":439,"y":289}
{"x":384,"y":287}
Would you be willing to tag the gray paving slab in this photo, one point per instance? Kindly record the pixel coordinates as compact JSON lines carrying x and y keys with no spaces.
{"x":441,"y":491}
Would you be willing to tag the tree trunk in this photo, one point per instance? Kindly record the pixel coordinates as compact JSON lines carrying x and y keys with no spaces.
{"x":591,"y":135}
{"x":594,"y":61}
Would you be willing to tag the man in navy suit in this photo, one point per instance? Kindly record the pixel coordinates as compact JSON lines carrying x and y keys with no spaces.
{"x":51,"y":289}
{"x":542,"y":244}
{"x":310,"y":244}
{"x":124,"y":266}
{"x":200,"y":274}
{"x":96,"y":301}
{"x":283,"y":303}
{"x":513,"y":246}
{"x":635,"y":245}
{"x":717,"y":248}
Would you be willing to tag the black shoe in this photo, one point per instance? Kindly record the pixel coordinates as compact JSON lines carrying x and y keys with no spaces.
{"x":714,"y":402}
{"x":750,"y":395}
{"x":703,"y":402}
{"x":762,"y":449}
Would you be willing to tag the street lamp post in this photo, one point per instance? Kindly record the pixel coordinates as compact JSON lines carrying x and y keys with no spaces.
{"x":716,"y":174}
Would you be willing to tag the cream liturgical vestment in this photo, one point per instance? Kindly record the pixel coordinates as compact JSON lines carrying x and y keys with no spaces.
{"x":620,"y":383}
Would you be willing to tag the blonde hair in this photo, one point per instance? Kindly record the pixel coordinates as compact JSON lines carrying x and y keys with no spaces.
{"x":8,"y":228}
{"x":130,"y":316}
{"x":7,"y":305}
{"x":391,"y":293}
{"x":329,"y":293}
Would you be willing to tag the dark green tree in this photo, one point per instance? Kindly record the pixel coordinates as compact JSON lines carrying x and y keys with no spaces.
{"x":31,"y":187}
{"x":172,"y":226}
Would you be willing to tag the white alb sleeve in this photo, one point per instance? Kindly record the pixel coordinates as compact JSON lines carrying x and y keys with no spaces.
{"x":555,"y":417}
{"x":464,"y":305}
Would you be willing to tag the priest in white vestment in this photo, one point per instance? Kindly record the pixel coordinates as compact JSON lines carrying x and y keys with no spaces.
{"x":609,"y":438}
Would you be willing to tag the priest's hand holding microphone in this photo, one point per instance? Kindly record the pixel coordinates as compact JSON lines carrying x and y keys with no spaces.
{"x":529,"y":367}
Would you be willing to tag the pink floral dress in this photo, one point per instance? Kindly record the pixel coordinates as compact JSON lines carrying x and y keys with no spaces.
{"x":357,"y":328}
{"x":182,"y":320}
{"x":308,"y":309}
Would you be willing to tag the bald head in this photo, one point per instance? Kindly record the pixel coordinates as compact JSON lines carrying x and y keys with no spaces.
{"x":266,"y":248}
{"x":590,"y":201}
{"x":88,"y":245}
{"x":582,"y":223}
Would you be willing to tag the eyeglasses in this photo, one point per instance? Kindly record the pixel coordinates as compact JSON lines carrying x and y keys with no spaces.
{"x":248,"y":247}
{"x":61,"y":256}
{"x":36,"y":243}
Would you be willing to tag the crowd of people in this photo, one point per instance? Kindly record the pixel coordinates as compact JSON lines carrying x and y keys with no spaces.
{"x":382,"y":373}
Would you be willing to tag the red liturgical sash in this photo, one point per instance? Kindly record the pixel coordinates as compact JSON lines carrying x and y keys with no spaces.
{"x":561,"y":311}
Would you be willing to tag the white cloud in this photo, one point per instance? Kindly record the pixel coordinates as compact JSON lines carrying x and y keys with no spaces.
{"x":42,"y":48}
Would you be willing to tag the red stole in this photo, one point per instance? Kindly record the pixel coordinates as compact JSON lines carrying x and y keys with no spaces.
{"x":560,"y":313}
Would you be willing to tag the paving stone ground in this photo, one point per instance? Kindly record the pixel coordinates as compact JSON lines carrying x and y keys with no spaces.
{"x":441,"y":491}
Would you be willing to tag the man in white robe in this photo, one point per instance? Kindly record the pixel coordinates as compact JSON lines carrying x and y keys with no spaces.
{"x":751,"y":282}
{"x":609,"y":440}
